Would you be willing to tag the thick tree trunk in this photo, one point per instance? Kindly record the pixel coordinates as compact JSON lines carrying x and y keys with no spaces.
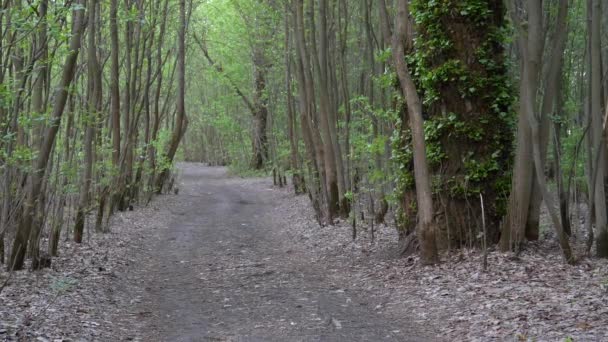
{"x":467,"y":101}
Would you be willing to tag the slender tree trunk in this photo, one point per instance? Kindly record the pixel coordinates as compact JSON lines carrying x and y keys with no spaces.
{"x":562,"y":189}
{"x":531,"y":61}
{"x":6,"y":207}
{"x":181,"y":119}
{"x":548,"y":108}
{"x":115,"y":99}
{"x":68,"y":156}
{"x":426,"y":229}
{"x":260,"y":112}
{"x":36,"y":177}
{"x":310,"y":132}
{"x":159,"y":82}
{"x":40,"y":81}
{"x":89,"y":118}
{"x":291,"y":123}
{"x":127,"y":148}
{"x":326,"y":114}
{"x":601,"y":220}
{"x":523,"y":181}
{"x":343,"y":37}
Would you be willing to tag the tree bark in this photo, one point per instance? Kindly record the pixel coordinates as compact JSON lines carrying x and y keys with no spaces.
{"x":325,"y":115}
{"x":181,"y":118}
{"x":159,"y":81}
{"x":531,"y":56}
{"x":601,"y":220}
{"x":297,"y":179}
{"x":548,"y":108}
{"x":426,"y":230}
{"x":115,"y":100}
{"x":36,"y":177}
{"x":260,"y":110}
{"x":89,"y":118}
{"x":312,"y":138}
{"x":524,"y":174}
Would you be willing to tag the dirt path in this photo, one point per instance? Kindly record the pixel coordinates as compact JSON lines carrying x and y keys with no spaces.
{"x":224,"y":270}
{"x":232,"y":259}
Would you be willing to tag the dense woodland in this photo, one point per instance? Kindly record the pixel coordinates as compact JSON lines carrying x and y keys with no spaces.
{"x":463,"y":124}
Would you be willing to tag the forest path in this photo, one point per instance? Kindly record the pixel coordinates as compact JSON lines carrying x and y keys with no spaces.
{"x":223,"y":270}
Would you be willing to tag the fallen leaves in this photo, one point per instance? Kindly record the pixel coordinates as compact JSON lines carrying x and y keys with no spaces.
{"x":80,"y":298}
{"x":534,"y":297}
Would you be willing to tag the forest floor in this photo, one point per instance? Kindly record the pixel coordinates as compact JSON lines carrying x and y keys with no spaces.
{"x":231,"y":259}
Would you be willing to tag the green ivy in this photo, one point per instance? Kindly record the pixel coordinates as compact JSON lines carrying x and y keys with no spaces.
{"x":436,"y":66}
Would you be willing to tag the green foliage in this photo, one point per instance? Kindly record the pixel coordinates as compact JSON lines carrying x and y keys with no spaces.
{"x":367,"y":143}
{"x":480,"y":136}
{"x":160,"y":144}
{"x":573,"y":161}
{"x":234,"y":32}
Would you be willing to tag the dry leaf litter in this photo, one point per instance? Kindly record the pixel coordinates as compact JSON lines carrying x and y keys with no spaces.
{"x":87,"y":295}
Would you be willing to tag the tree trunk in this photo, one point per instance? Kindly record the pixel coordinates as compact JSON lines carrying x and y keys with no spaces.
{"x":260,"y":113}
{"x":317,"y":186}
{"x":513,"y":230}
{"x":548,"y":108}
{"x":115,"y":99}
{"x":157,"y":117}
{"x":89,"y":118}
{"x":601,"y":220}
{"x":36,"y":177}
{"x":426,"y":230}
{"x":531,"y":55}
{"x":297,"y":179}
{"x":326,"y":115}
{"x":181,"y":118}
{"x":467,"y":99}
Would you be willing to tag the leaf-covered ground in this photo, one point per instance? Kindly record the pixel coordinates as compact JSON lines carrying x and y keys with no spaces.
{"x":90,"y":292}
{"x":81,"y":297}
{"x":532,"y":297}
